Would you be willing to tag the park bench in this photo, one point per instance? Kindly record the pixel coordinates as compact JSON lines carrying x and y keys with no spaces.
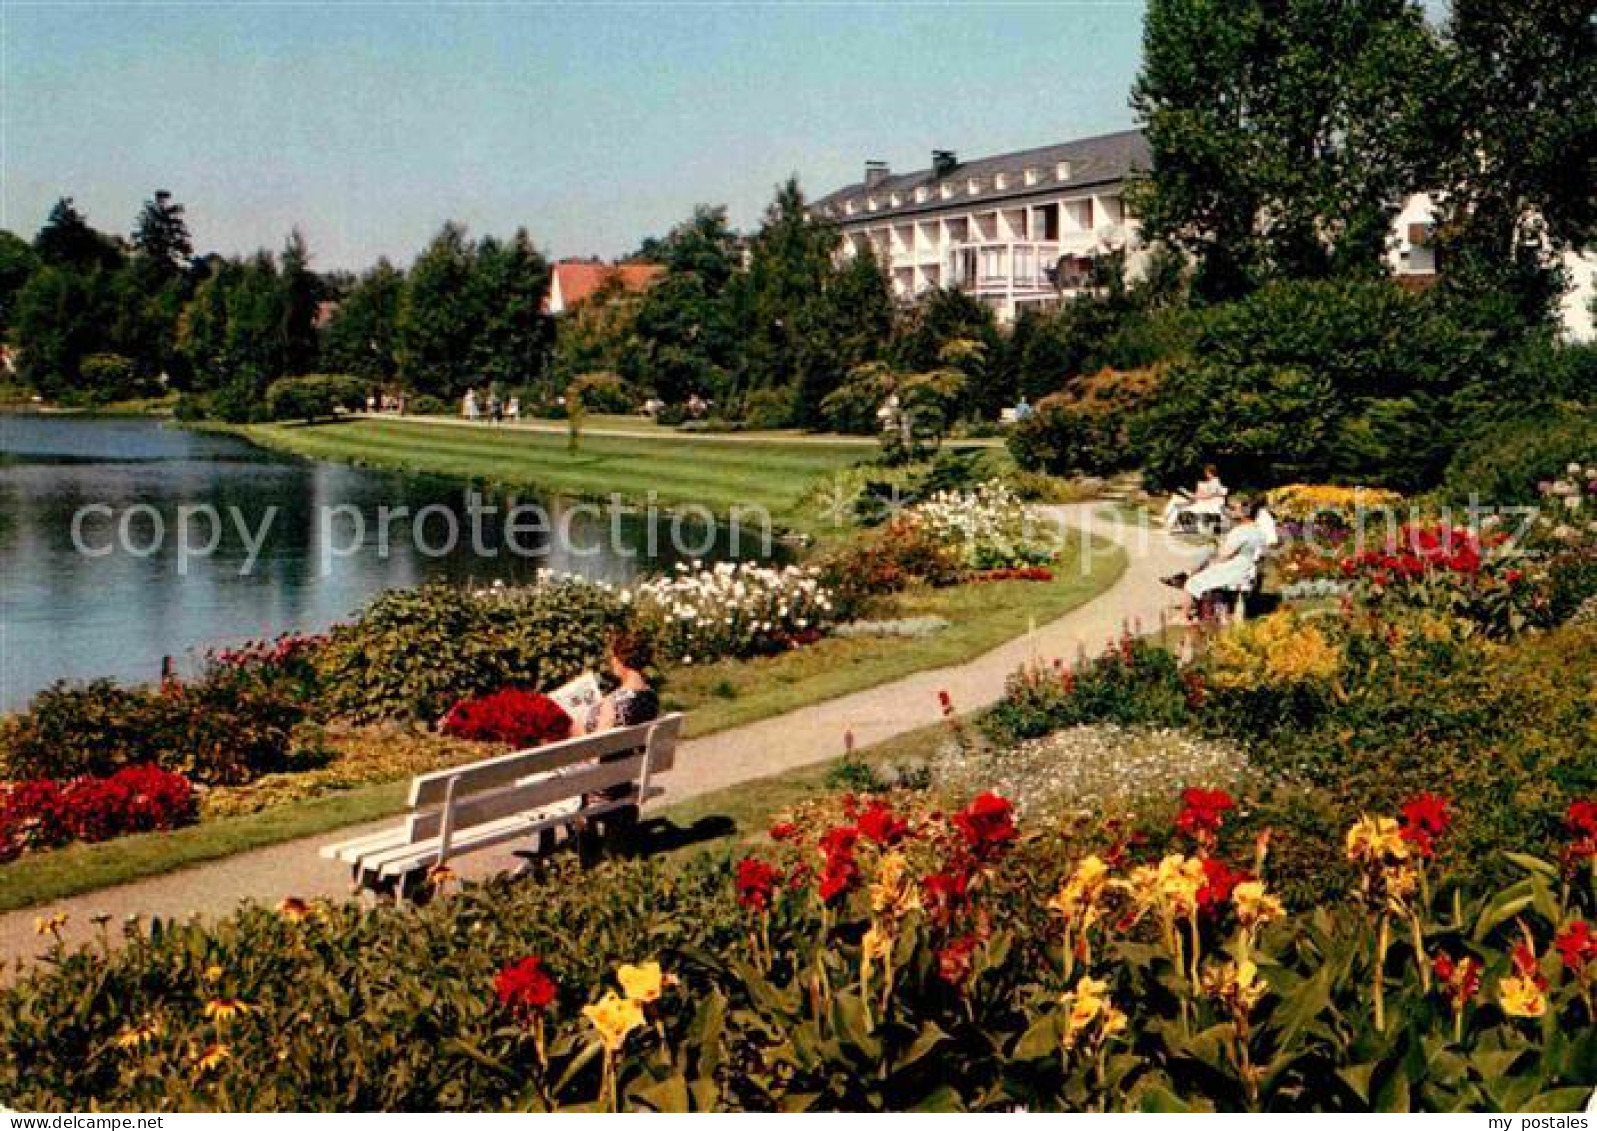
{"x":530,"y":793}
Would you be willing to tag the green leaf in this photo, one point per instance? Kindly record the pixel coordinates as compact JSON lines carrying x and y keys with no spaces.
{"x":1358,"y":1077}
{"x":1157,"y":1099}
{"x":1560,"y":1099}
{"x":1039,"y":1041}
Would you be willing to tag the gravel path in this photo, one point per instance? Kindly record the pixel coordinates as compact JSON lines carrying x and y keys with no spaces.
{"x":800,"y":738}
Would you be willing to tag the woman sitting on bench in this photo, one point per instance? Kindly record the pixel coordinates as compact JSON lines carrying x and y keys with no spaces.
{"x":633,"y":701}
{"x":1207,"y":499}
{"x":1235,"y":564}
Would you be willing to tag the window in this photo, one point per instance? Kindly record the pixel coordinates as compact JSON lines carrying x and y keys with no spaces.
{"x":973,"y":185}
{"x":1062,"y":171}
{"x":851,"y":207}
{"x":1001,"y":181}
{"x":946,"y":190}
{"x":871,"y":204}
{"x":1033,"y":175}
{"x":922,"y":194}
{"x":895,"y":200}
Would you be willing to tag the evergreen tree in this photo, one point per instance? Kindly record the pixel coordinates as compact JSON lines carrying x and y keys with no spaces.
{"x":161,"y":235}
{"x":66,"y":240}
{"x":17,"y":264}
{"x":361,"y":338}
{"x":297,"y":308}
{"x":512,"y":281}
{"x":439,"y":318}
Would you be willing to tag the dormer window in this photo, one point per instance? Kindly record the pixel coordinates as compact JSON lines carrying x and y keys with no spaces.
{"x":946,"y":190}
{"x":973,"y":185}
{"x":922,"y":195}
{"x":871,"y":203}
{"x":1001,"y":181}
{"x":1062,"y":171}
{"x":850,"y":207}
{"x":895,"y":199}
{"x":1033,"y":175}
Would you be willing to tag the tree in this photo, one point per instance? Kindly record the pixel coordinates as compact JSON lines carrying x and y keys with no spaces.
{"x":297,"y":309}
{"x":439,"y":317}
{"x":63,"y":316}
{"x":512,"y":281}
{"x":161,"y":235}
{"x":944,"y":316}
{"x":66,"y":240}
{"x":1285,"y":133}
{"x":17,"y":264}
{"x":1517,"y":149}
{"x":686,"y":338}
{"x":361,"y":338}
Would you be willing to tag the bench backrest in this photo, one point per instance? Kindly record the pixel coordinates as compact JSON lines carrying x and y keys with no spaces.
{"x":462,"y":796}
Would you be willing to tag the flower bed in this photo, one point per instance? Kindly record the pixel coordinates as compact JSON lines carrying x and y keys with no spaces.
{"x":45,"y":814}
{"x":876,"y":954}
{"x":513,"y":715}
{"x":990,"y":528}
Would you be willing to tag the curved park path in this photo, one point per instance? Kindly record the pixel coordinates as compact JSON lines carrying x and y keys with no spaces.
{"x":800,"y":738}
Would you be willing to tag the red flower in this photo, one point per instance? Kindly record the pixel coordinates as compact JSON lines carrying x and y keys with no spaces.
{"x":784,"y":830}
{"x":512,"y":715}
{"x":946,"y":701}
{"x":877,"y":823}
{"x":839,"y":871}
{"x":1219,"y":881}
{"x":987,"y":823}
{"x":945,"y":893}
{"x":1582,"y":818}
{"x":524,"y":988}
{"x":953,"y":961}
{"x":1425,"y":818}
{"x":1459,"y":981}
{"x":1203,"y":813}
{"x":756,"y":881}
{"x":1576,"y":945}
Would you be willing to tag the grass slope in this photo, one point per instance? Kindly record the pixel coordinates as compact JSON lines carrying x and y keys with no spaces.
{"x":676,"y":470}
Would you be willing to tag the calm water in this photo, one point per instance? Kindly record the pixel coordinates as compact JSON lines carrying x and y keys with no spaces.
{"x":64,"y":614}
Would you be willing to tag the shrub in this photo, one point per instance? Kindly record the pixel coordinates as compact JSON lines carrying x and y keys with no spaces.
{"x":313,"y":397}
{"x":512,"y":715}
{"x":43,"y":814}
{"x":1503,"y":464}
{"x":902,"y":554}
{"x":698,"y":615}
{"x":1134,"y":683}
{"x":602,"y":392}
{"x":415,"y":653}
{"x":426,"y":405}
{"x":989,"y":528}
{"x":1086,"y":428}
{"x":770,"y":408}
{"x":226,"y":727}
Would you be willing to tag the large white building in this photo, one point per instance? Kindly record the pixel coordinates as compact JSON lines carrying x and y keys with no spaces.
{"x":1022,"y":229}
{"x":1016,"y":230}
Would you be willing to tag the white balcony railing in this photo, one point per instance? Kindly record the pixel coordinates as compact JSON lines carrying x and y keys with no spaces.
{"x":1003,"y":267}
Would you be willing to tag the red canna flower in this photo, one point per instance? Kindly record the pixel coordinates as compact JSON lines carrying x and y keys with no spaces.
{"x":945,"y":893}
{"x":524,"y":989}
{"x":1219,"y":881}
{"x":756,"y":881}
{"x":1458,"y":981}
{"x":1582,"y":818}
{"x":1425,"y":819}
{"x":1203,"y":813}
{"x":784,"y":830}
{"x":1576,"y":945}
{"x":953,"y":960}
{"x":987,"y":823}
{"x":877,"y":823}
{"x":512,"y":715}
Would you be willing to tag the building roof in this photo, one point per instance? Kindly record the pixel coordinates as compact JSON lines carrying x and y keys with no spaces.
{"x":574,"y":281}
{"x":1099,"y":160}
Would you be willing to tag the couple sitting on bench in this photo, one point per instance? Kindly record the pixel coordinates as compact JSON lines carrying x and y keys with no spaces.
{"x":1201,"y":507}
{"x":1233,"y":566}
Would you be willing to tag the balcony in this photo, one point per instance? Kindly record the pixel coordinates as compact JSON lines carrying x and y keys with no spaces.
{"x":1010,"y":268}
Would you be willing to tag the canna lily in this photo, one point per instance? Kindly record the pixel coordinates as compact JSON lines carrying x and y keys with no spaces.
{"x":1078,"y":899}
{"x":893,"y":893}
{"x":1089,"y":1003}
{"x":1521,"y":996}
{"x":614,"y":1017}
{"x":641,"y":983}
{"x":1255,"y":906}
{"x":1374,"y":840}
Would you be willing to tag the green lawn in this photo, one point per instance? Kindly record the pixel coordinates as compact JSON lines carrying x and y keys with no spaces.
{"x":677,"y":470}
{"x":716,"y":697}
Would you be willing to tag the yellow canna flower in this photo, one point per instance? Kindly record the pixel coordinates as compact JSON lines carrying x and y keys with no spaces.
{"x":1078,"y":899}
{"x":1180,"y":878}
{"x":213,"y":973}
{"x":1521,"y":997}
{"x":614,"y":1017}
{"x":641,"y":983}
{"x":50,"y":925}
{"x":1086,"y":1004}
{"x":1254,"y":905}
{"x":1373,"y":840}
{"x":893,"y":894}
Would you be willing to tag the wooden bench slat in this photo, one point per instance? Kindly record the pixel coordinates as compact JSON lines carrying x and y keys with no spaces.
{"x":529,"y":796}
{"x":430,"y":788}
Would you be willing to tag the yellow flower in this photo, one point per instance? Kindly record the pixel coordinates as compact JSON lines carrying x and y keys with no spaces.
{"x":226,"y":1008}
{"x":134,"y":1036}
{"x":614,"y":1017}
{"x":1237,"y":984}
{"x":1087,"y":1003}
{"x":893,"y":894}
{"x":51,"y":925}
{"x":1078,"y":899}
{"x":1254,"y":905}
{"x":1180,"y":878}
{"x":212,"y":1058}
{"x":641,"y":983}
{"x":1374,"y":840}
{"x":1521,"y":997}
{"x":213,"y":973}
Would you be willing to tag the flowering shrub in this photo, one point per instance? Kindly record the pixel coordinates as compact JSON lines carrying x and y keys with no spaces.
{"x":512,"y":715}
{"x":44,"y":814}
{"x":1276,"y":650}
{"x":989,"y":528}
{"x":1132,"y":683}
{"x":741,"y":609}
{"x":969,"y":961}
{"x":1303,"y":502}
{"x":904,"y":553}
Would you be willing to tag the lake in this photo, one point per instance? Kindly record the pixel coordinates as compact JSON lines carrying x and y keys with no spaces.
{"x":126,"y":539}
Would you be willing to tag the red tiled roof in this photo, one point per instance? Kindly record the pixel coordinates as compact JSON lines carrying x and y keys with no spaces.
{"x":579,"y":280}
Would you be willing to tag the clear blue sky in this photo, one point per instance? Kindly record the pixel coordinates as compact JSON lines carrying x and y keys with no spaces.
{"x":591,"y":125}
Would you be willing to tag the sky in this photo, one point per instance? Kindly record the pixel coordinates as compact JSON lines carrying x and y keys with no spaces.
{"x":591,"y":125}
